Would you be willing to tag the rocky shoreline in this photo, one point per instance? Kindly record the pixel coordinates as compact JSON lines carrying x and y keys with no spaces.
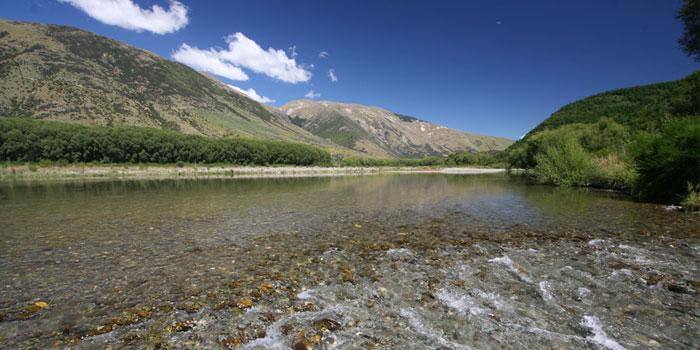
{"x":29,"y":172}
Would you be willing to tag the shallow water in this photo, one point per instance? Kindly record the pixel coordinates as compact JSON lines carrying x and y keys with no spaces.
{"x":424,"y":261}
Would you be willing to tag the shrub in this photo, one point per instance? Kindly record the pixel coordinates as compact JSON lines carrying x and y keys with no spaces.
{"x":667,"y":161}
{"x":692,"y":201}
{"x":614,"y":172}
{"x":375,"y":162}
{"x":493,"y":158}
{"x":564,"y":164}
{"x":600,"y":139}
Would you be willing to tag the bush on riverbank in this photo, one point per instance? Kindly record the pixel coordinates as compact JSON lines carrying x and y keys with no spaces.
{"x":668,"y":162}
{"x":496,"y":159}
{"x":28,"y":140}
{"x":577,"y":155}
{"x":654,"y":165}
{"x":390,"y":162}
{"x":493,"y":159}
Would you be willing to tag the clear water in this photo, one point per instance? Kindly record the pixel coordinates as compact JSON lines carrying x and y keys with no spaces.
{"x":396,"y":261}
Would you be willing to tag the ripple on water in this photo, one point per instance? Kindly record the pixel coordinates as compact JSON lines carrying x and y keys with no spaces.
{"x":599,"y":336}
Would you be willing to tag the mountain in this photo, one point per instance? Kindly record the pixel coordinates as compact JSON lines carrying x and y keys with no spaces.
{"x":643,"y":107}
{"x":67,"y":74}
{"x":378,"y":132}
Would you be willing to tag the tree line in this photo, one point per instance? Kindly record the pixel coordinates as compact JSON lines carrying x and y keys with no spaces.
{"x":37,"y":140}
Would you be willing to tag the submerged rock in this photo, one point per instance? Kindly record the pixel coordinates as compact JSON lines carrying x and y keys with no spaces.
{"x":327,"y":324}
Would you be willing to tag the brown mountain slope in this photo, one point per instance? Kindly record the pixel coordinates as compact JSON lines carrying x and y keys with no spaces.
{"x":378,"y":132}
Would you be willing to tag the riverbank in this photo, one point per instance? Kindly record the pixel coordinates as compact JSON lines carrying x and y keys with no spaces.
{"x":33,"y":172}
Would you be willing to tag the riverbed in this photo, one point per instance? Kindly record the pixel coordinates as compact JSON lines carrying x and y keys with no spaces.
{"x":421,"y":261}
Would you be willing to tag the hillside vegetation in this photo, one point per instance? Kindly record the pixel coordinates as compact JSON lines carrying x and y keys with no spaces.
{"x":645,"y":107}
{"x":62,"y":73}
{"x":645,"y":140}
{"x":26,"y":140}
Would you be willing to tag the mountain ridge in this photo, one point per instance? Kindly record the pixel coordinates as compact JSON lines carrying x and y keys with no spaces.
{"x":68,"y":74}
{"x":377,"y":131}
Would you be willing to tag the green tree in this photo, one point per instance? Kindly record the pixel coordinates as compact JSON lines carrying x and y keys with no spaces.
{"x":689,"y":14}
{"x":668,"y":161}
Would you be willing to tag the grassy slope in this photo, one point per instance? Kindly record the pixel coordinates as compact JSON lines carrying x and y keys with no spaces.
{"x":66,"y":74}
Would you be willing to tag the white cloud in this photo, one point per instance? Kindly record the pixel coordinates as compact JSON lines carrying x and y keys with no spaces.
{"x":208,"y":61}
{"x":293,"y":51}
{"x":246,"y":53}
{"x":312,"y":94}
{"x":243,"y":52}
{"x":128,"y":15}
{"x":252,"y":94}
{"x":332,"y":76}
{"x":323,"y":54}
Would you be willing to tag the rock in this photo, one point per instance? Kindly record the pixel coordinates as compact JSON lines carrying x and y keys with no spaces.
{"x":101,"y":330}
{"x":678,"y":287}
{"x":29,"y":311}
{"x":180,"y":327}
{"x":245,"y":303}
{"x":125,"y":320}
{"x":232,"y":342}
{"x":265,"y":287}
{"x":143,"y":312}
{"x":302,"y":345}
{"x":327,"y":324}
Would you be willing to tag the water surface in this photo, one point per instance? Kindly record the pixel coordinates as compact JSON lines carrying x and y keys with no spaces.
{"x":430,"y":261}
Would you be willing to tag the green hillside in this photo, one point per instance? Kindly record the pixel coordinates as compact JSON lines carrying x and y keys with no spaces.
{"x":643,"y":139}
{"x":644,"y":107}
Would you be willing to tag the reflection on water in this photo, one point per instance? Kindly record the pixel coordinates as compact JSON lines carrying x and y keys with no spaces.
{"x":447,"y":261}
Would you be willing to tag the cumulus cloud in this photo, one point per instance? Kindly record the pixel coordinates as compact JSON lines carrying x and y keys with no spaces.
{"x":128,"y":15}
{"x":208,"y":61}
{"x":246,"y":53}
{"x":242,"y":52}
{"x":332,"y":76}
{"x":312,"y":94}
{"x":323,"y":54}
{"x":293,"y":51}
{"x":252,"y":94}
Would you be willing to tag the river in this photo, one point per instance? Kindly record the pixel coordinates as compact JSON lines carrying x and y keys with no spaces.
{"x":385,"y":261}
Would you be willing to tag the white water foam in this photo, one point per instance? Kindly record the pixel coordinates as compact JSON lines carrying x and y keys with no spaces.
{"x":546,"y":333}
{"x":307,"y":294}
{"x":274,"y":339}
{"x":494,"y":299}
{"x":620,"y":273}
{"x":463,"y":303}
{"x":505,"y":260}
{"x":596,"y":241}
{"x":436,"y":336}
{"x":545,"y":291}
{"x":599,"y":336}
{"x":583,"y":292}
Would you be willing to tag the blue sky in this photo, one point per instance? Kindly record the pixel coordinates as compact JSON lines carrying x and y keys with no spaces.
{"x":490,"y":67}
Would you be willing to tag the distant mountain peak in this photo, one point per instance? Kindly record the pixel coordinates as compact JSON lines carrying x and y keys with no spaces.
{"x":379,"y":132}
